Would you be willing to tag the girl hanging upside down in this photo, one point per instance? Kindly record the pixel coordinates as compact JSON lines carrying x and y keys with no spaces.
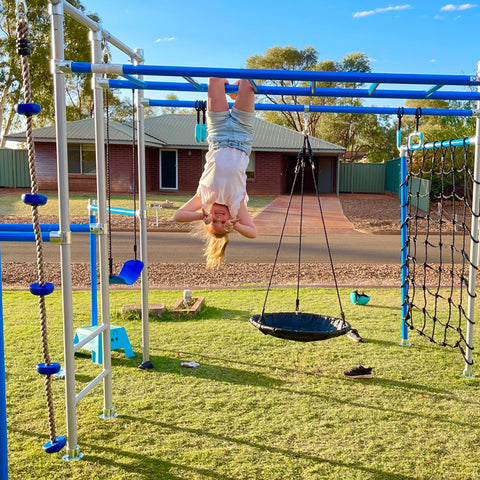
{"x":221,"y":198}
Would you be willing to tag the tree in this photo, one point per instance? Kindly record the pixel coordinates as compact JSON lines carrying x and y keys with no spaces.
{"x":441,"y":128}
{"x":289,"y":58}
{"x":78,"y":87}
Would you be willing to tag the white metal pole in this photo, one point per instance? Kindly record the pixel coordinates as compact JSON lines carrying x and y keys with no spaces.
{"x":96,"y":43}
{"x":468,"y":371}
{"x":56,"y":19}
{"x":142,"y":192}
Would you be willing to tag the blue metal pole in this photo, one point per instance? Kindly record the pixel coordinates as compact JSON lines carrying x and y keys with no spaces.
{"x":93,"y":273}
{"x":403,"y":231}
{"x":446,"y":143}
{"x":45,"y":227}
{"x":3,"y":395}
{"x":326,"y":108}
{"x":22,"y":237}
{"x":262,"y":74}
{"x":119,"y":211}
{"x":300,"y":91}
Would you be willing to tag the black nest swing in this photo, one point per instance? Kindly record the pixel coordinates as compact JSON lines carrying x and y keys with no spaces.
{"x":298,"y":326}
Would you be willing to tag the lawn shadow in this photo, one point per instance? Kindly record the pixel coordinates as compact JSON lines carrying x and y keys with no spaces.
{"x":214,"y":372}
{"x":204,"y":314}
{"x":263,"y":448}
{"x":149,"y":467}
{"x":385,"y":307}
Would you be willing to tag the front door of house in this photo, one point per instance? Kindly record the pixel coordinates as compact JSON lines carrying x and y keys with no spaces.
{"x":168,"y":170}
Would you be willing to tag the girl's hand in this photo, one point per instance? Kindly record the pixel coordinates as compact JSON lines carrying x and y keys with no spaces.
{"x":206,"y":217}
{"x":229,"y":224}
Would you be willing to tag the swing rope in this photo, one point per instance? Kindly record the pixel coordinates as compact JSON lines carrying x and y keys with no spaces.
{"x":42,"y":288}
{"x":306,"y":153}
{"x":134,"y":176}
{"x":272,"y":273}
{"x":109,"y":186}
{"x":131,"y":269}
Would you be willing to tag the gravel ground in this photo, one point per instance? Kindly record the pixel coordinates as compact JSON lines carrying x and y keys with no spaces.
{"x":377,"y":215}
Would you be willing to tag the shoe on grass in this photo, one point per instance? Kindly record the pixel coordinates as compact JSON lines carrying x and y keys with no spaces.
{"x":359,"y":372}
{"x":354,"y":336}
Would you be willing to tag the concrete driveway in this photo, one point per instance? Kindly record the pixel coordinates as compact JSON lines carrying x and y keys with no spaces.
{"x":271,"y":219}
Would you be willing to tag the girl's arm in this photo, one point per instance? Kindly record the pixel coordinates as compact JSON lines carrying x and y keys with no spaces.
{"x":244,"y":223}
{"x":190,"y":211}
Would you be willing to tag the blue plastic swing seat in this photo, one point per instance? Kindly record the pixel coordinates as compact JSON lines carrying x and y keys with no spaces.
{"x":129,"y":273}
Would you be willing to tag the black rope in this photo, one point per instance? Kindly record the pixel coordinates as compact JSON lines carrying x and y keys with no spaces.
{"x":306,"y":153}
{"x":302,"y":167}
{"x":327,"y":243}
{"x":109,"y":186}
{"x":272,"y":273}
{"x":134,"y":175}
{"x":400,"y":113}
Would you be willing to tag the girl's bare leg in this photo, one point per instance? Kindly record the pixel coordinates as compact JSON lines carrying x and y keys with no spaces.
{"x":217,"y":101}
{"x":245,"y":100}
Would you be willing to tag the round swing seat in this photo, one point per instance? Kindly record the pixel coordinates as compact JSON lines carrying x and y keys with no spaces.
{"x":300,"y":327}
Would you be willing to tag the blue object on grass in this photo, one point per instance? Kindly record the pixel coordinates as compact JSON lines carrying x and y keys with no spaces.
{"x":359,"y":298}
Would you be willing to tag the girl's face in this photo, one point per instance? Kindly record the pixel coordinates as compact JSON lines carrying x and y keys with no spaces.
{"x":220,"y":214}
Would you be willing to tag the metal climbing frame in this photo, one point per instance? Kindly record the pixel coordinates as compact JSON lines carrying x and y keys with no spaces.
{"x":57,"y":9}
{"x":133,"y":75}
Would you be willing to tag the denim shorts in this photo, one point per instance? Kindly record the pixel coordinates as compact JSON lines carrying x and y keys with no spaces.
{"x":232,"y":128}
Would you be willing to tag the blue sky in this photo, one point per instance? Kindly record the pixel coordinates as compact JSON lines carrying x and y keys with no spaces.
{"x":422,"y":36}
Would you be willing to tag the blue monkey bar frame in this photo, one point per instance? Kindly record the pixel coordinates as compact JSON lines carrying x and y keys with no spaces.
{"x":325,"y":108}
{"x":299,"y":91}
{"x":259,"y":74}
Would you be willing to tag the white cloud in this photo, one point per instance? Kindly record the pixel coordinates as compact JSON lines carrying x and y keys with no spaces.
{"x":366,"y":13}
{"x":452,"y":8}
{"x":433,"y":60}
{"x":165,"y":39}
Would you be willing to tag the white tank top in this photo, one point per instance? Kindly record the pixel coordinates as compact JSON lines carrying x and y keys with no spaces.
{"x":224,"y":180}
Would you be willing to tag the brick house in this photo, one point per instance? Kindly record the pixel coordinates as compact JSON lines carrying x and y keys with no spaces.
{"x":174,"y":161}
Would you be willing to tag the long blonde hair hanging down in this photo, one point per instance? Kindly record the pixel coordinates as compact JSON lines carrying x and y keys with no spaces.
{"x":215,"y":245}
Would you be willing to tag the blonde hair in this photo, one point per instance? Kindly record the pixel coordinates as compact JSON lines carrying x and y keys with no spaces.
{"x":215,"y":244}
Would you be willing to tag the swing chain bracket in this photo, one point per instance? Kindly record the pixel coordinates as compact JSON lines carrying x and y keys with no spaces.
{"x":61,"y":238}
{"x":141,"y":213}
{"x":99,"y":228}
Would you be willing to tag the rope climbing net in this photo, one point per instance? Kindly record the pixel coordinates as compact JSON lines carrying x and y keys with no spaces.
{"x":439,"y":183}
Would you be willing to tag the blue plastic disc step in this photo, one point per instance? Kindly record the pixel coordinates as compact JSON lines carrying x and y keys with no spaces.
{"x":50,"y":369}
{"x":28,"y":109}
{"x":34,"y":199}
{"x":56,"y":446}
{"x":42,"y":290}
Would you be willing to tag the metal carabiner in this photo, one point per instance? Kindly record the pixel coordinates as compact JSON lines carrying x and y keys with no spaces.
{"x":306,"y":111}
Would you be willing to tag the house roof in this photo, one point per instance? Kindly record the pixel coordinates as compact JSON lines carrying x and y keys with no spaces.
{"x":83,"y":131}
{"x":178,"y":131}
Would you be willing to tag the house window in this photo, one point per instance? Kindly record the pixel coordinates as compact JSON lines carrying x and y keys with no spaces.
{"x":81,"y":159}
{"x":251,"y":166}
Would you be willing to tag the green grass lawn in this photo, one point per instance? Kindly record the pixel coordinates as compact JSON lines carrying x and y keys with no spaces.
{"x":257,"y":407}
{"x":13,"y":205}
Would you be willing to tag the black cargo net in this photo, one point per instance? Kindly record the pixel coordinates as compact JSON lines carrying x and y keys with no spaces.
{"x":439,"y":217}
